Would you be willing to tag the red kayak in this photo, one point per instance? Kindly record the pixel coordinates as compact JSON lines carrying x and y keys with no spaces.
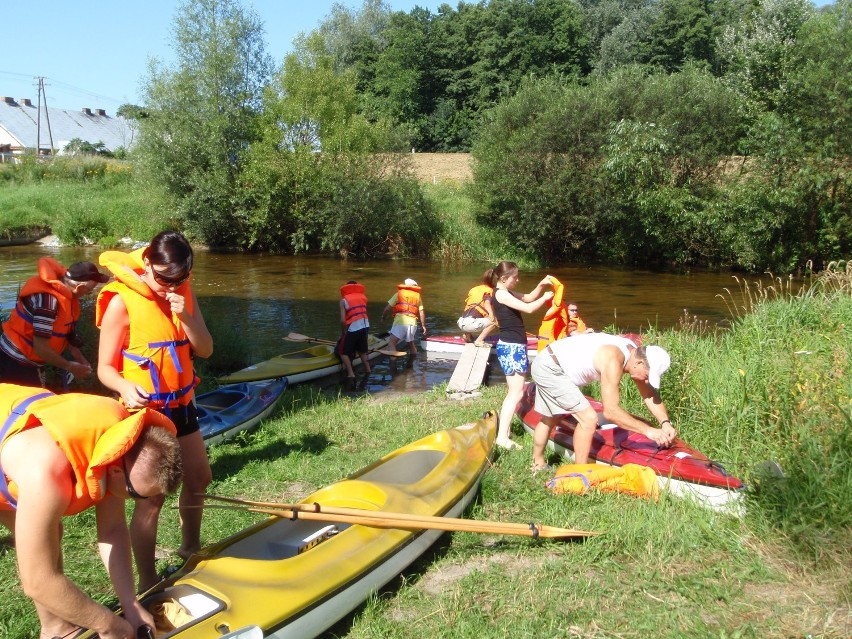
{"x":680,"y":468}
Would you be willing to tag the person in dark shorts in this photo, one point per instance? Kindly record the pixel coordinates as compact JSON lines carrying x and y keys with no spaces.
{"x":355,"y":327}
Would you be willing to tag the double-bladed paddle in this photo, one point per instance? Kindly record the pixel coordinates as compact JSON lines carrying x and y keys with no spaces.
{"x":405,"y":521}
{"x":298,"y":337}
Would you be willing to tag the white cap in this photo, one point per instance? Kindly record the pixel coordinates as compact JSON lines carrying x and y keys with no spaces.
{"x":410,"y":282}
{"x":658,"y":363}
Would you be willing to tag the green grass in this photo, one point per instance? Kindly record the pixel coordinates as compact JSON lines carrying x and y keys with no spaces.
{"x":463,"y":238}
{"x":82,"y":201}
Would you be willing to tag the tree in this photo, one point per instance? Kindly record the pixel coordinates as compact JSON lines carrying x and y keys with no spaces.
{"x":758,"y":54}
{"x":316,"y":177}
{"x":682,"y":32}
{"x":201,"y":113}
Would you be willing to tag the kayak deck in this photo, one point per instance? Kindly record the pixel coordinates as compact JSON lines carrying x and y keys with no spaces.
{"x":302,"y":365}
{"x":296,"y":578}
{"x":230,"y":409}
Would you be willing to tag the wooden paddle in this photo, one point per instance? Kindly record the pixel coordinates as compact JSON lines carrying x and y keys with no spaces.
{"x":405,"y":521}
{"x":298,"y":337}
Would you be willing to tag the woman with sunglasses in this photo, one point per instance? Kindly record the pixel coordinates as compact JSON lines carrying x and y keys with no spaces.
{"x":151,"y":328}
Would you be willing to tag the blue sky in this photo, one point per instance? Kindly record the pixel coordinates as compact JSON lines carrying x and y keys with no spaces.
{"x":94,"y":54}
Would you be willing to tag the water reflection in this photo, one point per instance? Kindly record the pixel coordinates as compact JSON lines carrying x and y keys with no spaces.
{"x":263,"y":297}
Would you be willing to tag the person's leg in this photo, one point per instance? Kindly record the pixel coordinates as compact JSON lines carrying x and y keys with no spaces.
{"x":347,"y":364}
{"x":587,"y":422}
{"x":143,"y":538}
{"x":365,"y":361}
{"x":540,"y":437}
{"x":196,"y":478}
{"x":486,"y":332}
{"x":515,"y":385}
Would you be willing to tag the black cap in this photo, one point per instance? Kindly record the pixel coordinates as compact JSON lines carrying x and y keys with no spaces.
{"x":86,"y":272}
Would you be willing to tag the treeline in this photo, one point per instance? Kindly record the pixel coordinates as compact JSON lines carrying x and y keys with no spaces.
{"x":706,"y":132}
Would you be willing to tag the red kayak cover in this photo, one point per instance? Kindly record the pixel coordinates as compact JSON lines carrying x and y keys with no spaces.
{"x":615,"y":446}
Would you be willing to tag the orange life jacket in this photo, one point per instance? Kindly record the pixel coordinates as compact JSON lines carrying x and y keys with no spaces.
{"x":19,"y":327}
{"x":356,"y":302}
{"x":554,"y":325}
{"x":158,"y":355}
{"x":93,"y":432}
{"x":407,"y":301}
{"x":473,"y":306}
{"x":632,"y":479}
{"x":576,"y":325}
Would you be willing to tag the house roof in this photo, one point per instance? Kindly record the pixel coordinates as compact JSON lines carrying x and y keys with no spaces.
{"x":19,"y":126}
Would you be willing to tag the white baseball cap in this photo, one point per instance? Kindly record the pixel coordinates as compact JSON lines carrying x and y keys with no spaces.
{"x":658,"y":363}
{"x":410,"y":282}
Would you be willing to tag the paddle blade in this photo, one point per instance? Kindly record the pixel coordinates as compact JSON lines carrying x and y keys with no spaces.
{"x":298,"y":337}
{"x":390,"y":353}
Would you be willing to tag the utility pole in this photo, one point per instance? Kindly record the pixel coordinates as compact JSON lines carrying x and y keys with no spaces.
{"x":38,"y":119}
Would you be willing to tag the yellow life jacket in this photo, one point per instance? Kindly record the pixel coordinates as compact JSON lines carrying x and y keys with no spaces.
{"x":356,"y":302}
{"x":19,"y":327}
{"x":554,"y":325}
{"x":407,"y":301}
{"x":93,"y":432}
{"x":632,"y":479}
{"x":473,"y":306}
{"x":158,"y":355}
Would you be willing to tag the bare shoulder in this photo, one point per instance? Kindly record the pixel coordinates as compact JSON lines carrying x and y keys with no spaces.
{"x":33,"y":455}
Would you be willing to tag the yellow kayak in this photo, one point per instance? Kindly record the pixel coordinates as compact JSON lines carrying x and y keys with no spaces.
{"x":301,"y":366}
{"x":297,"y":578}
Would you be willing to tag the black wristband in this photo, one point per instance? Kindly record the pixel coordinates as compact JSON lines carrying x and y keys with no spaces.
{"x":666,"y":420}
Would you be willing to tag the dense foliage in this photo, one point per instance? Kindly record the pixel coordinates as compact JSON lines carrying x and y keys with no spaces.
{"x":673,"y":132}
{"x":638,"y":165}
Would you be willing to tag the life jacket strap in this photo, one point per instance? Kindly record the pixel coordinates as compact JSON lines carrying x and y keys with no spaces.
{"x":14,"y":416}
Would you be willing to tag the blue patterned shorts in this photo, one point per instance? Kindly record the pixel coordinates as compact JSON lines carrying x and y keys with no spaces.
{"x":513,"y":358}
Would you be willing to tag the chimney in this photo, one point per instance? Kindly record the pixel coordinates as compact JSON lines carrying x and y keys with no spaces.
{"x":87,"y":111}
{"x":26,"y":102}
{"x":101,"y":112}
{"x":8,"y":100}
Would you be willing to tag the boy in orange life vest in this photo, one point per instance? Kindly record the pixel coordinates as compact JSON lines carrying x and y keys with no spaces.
{"x":478,"y":314}
{"x":63,"y":454}
{"x":355,"y":325}
{"x":42,"y":325}
{"x":407,"y":306}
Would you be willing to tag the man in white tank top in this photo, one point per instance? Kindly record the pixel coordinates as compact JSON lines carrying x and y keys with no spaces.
{"x":568,"y":364}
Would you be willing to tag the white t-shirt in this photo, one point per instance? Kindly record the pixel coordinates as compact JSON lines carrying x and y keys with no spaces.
{"x":576,"y":354}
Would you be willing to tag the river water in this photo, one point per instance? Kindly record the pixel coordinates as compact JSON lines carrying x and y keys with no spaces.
{"x":264,"y":297}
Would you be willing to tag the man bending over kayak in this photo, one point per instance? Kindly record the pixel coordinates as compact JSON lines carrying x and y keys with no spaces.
{"x":568,"y":364}
{"x":60,"y":455}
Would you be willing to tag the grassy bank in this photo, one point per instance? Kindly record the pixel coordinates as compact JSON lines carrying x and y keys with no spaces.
{"x":83,"y":201}
{"x":774,"y":387}
{"x":94,"y":200}
{"x":462,"y":237}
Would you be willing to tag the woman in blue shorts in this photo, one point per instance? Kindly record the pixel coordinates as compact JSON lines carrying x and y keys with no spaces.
{"x":512,"y":345}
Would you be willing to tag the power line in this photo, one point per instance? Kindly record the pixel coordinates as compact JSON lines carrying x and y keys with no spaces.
{"x":65,"y":86}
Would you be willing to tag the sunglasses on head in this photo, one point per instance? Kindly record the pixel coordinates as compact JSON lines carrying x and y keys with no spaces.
{"x":130,"y":489}
{"x":168,"y":281}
